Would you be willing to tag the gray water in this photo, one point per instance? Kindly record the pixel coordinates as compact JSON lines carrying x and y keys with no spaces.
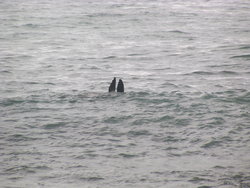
{"x":183,"y":120}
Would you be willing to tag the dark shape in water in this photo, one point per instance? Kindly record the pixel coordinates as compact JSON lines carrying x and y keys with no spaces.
{"x":120,"y":87}
{"x":112,"y":85}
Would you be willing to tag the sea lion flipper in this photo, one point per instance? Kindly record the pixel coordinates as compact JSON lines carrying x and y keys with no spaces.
{"x":120,"y":87}
{"x":112,"y":85}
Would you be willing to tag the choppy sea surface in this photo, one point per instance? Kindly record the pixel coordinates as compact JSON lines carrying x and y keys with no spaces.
{"x":183,"y":120}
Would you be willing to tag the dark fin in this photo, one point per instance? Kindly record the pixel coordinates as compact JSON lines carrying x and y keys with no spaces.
{"x":120,"y":87}
{"x":112,"y":85}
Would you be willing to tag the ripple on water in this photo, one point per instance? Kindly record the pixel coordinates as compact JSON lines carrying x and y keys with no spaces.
{"x":54,"y":125}
{"x":24,"y":169}
{"x":245,"y":56}
{"x":20,"y":138}
{"x":127,"y":156}
{"x":91,"y":178}
{"x":212,"y":144}
{"x":12,"y":101}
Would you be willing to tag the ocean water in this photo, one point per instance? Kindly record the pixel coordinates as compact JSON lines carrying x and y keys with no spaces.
{"x":183,"y":120}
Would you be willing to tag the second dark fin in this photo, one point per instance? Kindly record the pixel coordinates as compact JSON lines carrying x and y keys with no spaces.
{"x":112,"y":85}
{"x":120,"y":87}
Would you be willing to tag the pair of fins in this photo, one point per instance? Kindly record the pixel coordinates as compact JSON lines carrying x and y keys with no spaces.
{"x":120,"y":86}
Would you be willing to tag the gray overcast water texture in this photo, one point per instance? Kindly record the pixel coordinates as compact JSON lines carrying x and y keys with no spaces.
{"x":183,"y":121}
